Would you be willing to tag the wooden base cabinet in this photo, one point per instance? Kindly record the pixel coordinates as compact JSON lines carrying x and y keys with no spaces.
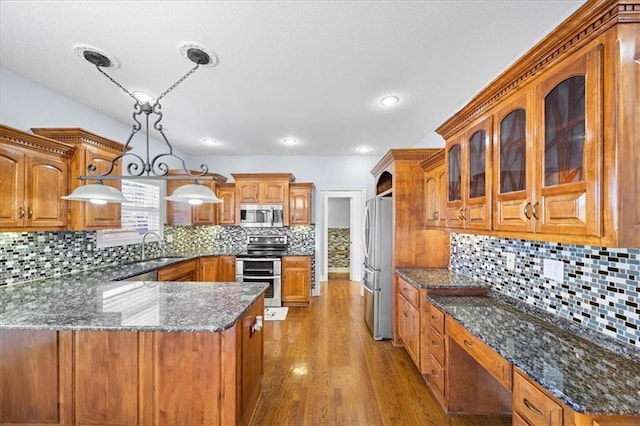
{"x":217,"y":268}
{"x":34,"y":174}
{"x":183,"y":271}
{"x":132,"y":378}
{"x":296,"y":280}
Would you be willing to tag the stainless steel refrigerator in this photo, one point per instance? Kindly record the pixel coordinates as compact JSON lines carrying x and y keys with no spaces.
{"x":377,"y":278}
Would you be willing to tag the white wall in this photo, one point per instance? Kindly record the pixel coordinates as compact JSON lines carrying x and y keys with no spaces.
{"x":339,"y":213}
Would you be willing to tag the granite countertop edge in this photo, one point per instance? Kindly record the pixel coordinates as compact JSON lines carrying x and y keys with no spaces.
{"x":435,"y":299}
{"x":439,"y":279}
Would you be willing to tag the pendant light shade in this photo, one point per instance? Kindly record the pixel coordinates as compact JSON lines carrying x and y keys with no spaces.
{"x":96,"y":193}
{"x":193,"y":194}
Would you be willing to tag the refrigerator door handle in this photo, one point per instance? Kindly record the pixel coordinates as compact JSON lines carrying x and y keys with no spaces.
{"x":365,"y":240}
{"x":366,"y":287}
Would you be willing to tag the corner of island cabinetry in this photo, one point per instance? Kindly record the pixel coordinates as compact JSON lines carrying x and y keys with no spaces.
{"x":132,"y":376}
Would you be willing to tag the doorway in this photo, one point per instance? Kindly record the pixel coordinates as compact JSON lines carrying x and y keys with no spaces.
{"x":339,"y":238}
{"x":355,"y":200}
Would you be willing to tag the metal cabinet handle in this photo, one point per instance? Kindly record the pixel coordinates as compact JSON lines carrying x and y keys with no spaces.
{"x":527,"y":211}
{"x":467,"y":343}
{"x":21,"y":212}
{"x":535,"y":211}
{"x":435,"y":215}
{"x":531,"y":407}
{"x":30,"y":213}
{"x":461,"y":215}
{"x":434,"y":343}
{"x":434,"y":374}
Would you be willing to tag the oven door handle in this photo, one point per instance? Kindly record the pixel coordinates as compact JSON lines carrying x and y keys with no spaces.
{"x":260,"y":277}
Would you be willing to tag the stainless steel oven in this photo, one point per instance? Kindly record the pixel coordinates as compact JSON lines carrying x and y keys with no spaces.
{"x":265,"y":270}
{"x":262,"y":263}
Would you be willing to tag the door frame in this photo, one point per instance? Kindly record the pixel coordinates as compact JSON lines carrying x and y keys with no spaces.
{"x":356,"y":214}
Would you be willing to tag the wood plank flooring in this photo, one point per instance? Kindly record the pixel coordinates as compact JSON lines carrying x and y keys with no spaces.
{"x":322,"y":367}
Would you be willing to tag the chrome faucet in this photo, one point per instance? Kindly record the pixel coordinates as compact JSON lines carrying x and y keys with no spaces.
{"x":144,"y":238}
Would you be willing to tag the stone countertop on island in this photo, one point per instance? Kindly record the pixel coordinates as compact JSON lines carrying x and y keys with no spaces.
{"x":87,"y":302}
{"x":588,"y":377}
{"x":439,"y":279}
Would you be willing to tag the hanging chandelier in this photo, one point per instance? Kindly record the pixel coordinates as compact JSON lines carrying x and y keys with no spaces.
{"x":144,"y":166}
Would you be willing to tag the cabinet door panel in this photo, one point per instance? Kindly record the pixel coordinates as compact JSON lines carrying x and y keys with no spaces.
{"x":106,"y":216}
{"x":35,"y":377}
{"x":274,"y":192}
{"x":227,"y":209}
{"x":570,"y":100}
{"x":248,"y":192}
{"x":47,"y":179}
{"x":106,"y":378}
{"x":11,"y":187}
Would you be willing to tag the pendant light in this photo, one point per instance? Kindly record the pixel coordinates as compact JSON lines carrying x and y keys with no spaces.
{"x":143,"y":166}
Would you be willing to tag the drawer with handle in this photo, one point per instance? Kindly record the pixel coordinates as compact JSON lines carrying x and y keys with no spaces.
{"x":532,"y":405}
{"x":495,"y":364}
{"x":436,"y":319}
{"x":409,"y":292}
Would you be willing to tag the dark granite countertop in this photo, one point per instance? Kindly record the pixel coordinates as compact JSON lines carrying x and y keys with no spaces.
{"x":74,"y":303}
{"x":439,"y":279}
{"x":588,"y":377}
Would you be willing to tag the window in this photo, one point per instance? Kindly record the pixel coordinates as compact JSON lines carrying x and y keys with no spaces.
{"x":142,"y":214}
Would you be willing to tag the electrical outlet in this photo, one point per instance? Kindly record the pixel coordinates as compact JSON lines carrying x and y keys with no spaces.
{"x":511,"y":261}
{"x":169,"y":238}
{"x":89,"y":247}
{"x":553,"y":270}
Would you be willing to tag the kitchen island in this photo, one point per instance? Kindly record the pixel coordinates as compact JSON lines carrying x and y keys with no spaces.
{"x":81,"y":351}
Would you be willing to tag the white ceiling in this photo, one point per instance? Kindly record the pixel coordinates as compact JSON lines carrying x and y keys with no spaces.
{"x":312,"y":70}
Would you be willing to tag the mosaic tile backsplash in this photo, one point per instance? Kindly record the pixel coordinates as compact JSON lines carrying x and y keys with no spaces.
{"x":27,"y":256}
{"x":600,"y":289}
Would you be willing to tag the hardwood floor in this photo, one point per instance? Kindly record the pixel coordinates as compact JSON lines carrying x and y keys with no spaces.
{"x":321,"y":366}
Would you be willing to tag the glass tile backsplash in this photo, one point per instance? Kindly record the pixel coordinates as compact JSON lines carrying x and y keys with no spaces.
{"x":27,"y":256}
{"x":600,"y":288}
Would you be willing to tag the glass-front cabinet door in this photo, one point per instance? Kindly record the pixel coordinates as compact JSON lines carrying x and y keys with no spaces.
{"x":477,"y":211}
{"x":454,"y":184}
{"x":513,"y":166}
{"x":468,"y":159}
{"x":568,"y":149}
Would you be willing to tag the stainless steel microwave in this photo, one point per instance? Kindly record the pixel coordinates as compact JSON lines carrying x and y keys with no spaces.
{"x":261,"y":215}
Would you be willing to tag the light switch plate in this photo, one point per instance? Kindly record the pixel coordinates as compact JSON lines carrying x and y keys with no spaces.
{"x":553,"y":270}
{"x":511,"y":261}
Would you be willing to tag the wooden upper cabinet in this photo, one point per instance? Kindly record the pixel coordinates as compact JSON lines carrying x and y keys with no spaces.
{"x":227,"y":209}
{"x":186,"y":214}
{"x":566,"y":119}
{"x":300,"y":203}
{"x":34,"y":174}
{"x":435,"y":187}
{"x":263,"y":188}
{"x":569,"y":147}
{"x":468,"y":158}
{"x":91,"y":149}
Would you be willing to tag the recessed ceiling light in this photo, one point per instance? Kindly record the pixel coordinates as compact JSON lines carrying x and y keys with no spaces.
{"x":210,"y":141}
{"x":390,"y":100}
{"x":289,"y":141}
{"x":143,"y":97}
{"x":364,"y":149}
